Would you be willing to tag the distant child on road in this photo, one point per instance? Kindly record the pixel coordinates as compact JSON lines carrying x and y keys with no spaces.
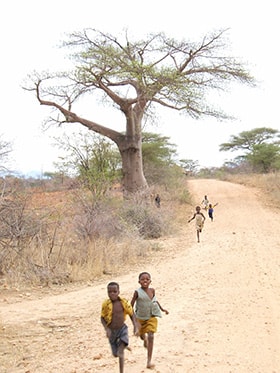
{"x":157,"y":200}
{"x":211,"y":210}
{"x":147,"y":310}
{"x":205,"y":203}
{"x":199,"y":221}
{"x":113,"y":313}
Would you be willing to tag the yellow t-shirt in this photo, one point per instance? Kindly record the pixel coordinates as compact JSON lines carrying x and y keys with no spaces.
{"x":107,"y":309}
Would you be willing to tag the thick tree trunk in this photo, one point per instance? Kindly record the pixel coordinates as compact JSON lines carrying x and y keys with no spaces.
{"x":133,"y":177}
{"x":130,"y":146}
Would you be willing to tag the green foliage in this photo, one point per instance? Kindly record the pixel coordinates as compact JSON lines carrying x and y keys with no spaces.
{"x":157,"y":149}
{"x":92,"y":159}
{"x":190,"y":166}
{"x":264,"y":157}
{"x":158,"y":155}
{"x":260,"y":146}
{"x":246,"y":140}
{"x":176,"y":74}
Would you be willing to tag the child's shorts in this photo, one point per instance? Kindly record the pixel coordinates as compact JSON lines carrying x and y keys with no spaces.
{"x":118,"y":336}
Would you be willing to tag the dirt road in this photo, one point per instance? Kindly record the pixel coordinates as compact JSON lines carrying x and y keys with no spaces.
{"x":223,"y":295}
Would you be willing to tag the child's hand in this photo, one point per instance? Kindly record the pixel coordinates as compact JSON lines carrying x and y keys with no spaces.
{"x":136,"y":331}
{"x":166,"y":312}
{"x":108,"y":332}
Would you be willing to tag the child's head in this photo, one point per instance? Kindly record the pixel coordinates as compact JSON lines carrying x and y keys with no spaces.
{"x":144,"y":279}
{"x":210,"y":206}
{"x":197,"y":209}
{"x":113,"y":290}
{"x":144,"y":273}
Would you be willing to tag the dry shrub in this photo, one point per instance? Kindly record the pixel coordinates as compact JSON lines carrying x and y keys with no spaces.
{"x":97,"y":220}
{"x":148,"y":222}
{"x":107,"y":257}
{"x":72,"y":260}
{"x":79,"y":239}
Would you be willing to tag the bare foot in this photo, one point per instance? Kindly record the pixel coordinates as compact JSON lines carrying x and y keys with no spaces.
{"x":150,"y":366}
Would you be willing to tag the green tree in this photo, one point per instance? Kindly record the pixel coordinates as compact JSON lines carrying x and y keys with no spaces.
{"x":264,"y":157}
{"x":95,"y":161}
{"x":246,"y":140}
{"x":189,"y":165}
{"x":136,"y":76}
{"x":260,"y":146}
{"x":158,"y":155}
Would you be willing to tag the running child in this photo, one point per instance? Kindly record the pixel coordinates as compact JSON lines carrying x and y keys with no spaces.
{"x":205,"y":203}
{"x":199,"y":221}
{"x":211,"y":210}
{"x":147,"y":309}
{"x":113,"y":314}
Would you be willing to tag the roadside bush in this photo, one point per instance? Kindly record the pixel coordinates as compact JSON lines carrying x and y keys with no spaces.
{"x":148,"y":223}
{"x":97,"y":220}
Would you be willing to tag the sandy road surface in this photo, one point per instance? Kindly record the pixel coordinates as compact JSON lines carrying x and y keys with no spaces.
{"x":223,"y":295}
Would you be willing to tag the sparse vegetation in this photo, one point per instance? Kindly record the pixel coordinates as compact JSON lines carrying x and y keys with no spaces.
{"x":56,"y":236}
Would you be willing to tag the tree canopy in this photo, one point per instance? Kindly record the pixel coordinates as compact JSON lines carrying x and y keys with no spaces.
{"x":265,"y":157}
{"x":134,"y":77}
{"x":261,"y":148}
{"x":246,"y":140}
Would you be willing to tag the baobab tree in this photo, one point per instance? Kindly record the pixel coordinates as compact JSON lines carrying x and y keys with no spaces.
{"x":135,"y":77}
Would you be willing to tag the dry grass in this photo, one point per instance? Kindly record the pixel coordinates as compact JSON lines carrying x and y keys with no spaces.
{"x":80,"y":241}
{"x":65,"y":255}
{"x":268,"y":184}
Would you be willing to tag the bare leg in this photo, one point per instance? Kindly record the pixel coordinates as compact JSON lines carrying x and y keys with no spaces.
{"x":150,"y":350}
{"x":121,"y":356}
{"x":144,"y":338}
{"x":197,"y":232}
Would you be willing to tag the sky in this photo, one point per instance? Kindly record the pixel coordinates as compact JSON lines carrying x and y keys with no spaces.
{"x":31,"y":32}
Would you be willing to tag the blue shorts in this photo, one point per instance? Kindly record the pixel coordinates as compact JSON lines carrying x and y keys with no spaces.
{"x":117,"y":337}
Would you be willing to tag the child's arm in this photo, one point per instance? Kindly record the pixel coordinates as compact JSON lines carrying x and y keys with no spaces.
{"x":107,"y":330}
{"x":191,"y":218}
{"x":133,"y":317}
{"x":162,"y":309}
{"x":135,"y":324}
{"x":135,"y":296}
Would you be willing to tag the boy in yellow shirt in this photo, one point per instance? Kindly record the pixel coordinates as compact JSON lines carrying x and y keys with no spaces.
{"x":113,"y":314}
